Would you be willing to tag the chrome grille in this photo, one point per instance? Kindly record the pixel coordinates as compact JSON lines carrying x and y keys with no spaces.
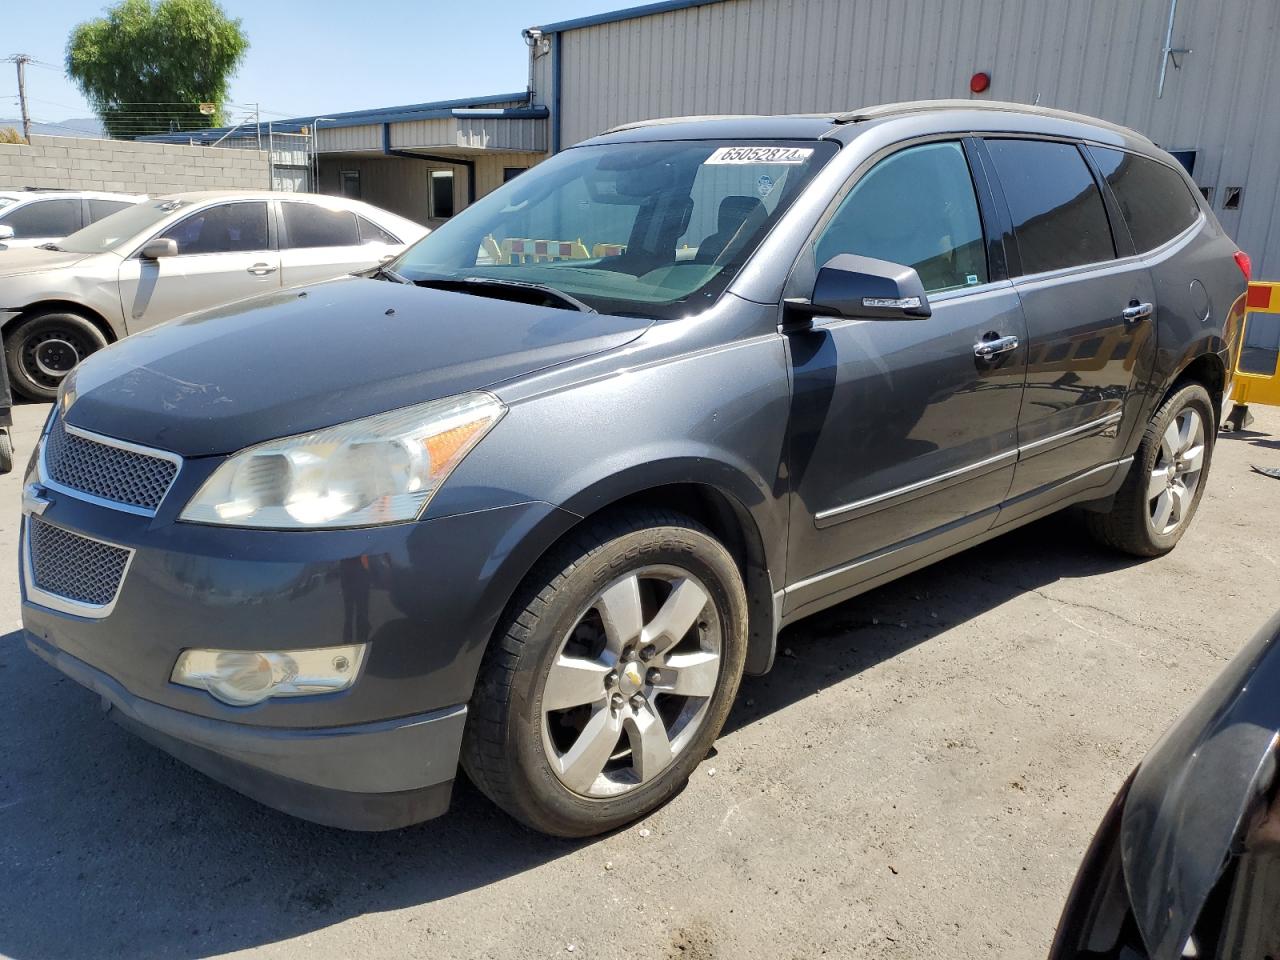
{"x":99,"y":468}
{"x":73,"y":567}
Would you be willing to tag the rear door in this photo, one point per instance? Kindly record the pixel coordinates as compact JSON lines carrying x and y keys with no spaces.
{"x":903,"y":438}
{"x":225,"y":253}
{"x":319,"y":243}
{"x":1090,"y":312}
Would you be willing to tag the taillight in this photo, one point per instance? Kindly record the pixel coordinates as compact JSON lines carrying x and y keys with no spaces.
{"x":1245,"y":265}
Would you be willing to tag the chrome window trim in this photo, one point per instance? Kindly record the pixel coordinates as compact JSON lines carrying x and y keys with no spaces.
{"x":1019,"y":452}
{"x":60,"y":604}
{"x":47,"y":481}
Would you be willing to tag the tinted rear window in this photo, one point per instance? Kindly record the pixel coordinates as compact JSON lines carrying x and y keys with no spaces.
{"x":99,"y":209}
{"x":309,"y":225}
{"x":1156,"y":202}
{"x":1058,"y":216}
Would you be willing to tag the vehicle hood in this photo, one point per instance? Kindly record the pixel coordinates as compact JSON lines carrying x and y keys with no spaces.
{"x":306,"y":358}
{"x":15,"y":261}
{"x":1194,"y":796}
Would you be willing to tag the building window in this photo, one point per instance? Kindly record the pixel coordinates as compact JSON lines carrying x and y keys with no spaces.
{"x":441,"y":194}
{"x":510,"y":173}
{"x":350,"y":182}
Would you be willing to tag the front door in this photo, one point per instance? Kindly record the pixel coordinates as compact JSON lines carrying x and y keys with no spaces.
{"x":225,"y":254}
{"x":1090,"y":316}
{"x":903,"y":438}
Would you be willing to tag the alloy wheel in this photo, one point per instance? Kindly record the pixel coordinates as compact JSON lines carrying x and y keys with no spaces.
{"x":632,"y":682}
{"x":1171,"y":488}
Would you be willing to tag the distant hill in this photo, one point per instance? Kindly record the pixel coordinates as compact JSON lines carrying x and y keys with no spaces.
{"x":75,"y":127}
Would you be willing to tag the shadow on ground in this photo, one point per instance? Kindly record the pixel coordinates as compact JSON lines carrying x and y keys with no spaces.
{"x":108,"y":847}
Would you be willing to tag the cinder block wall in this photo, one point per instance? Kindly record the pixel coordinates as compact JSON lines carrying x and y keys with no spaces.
{"x":75,"y":163}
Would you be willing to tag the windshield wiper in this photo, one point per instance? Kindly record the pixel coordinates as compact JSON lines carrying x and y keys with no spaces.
{"x":51,"y":246}
{"x":386,"y":273}
{"x":462,"y":284}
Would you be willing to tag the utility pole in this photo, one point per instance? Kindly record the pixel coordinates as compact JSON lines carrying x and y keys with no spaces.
{"x":21,"y":60}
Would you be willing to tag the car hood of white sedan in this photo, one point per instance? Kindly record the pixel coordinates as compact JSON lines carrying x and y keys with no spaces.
{"x":16,"y":262}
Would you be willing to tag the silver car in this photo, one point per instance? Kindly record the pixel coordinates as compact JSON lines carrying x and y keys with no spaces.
{"x":29,"y":218}
{"x":171,"y":256}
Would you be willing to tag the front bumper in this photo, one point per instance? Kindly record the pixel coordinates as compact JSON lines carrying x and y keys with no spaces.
{"x":373,"y":776}
{"x":424,"y":596}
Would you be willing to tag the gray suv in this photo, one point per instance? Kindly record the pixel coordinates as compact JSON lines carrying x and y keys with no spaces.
{"x":607,"y":431}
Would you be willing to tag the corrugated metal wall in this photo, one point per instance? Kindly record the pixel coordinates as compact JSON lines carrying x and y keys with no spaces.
{"x":1100,"y":57}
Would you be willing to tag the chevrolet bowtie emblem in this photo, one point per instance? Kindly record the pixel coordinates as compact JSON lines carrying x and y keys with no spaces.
{"x":34,"y":499}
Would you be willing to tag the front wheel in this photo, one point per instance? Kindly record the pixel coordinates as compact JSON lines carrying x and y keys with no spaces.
{"x":42,"y":349}
{"x":611,"y":676}
{"x":1154,"y":507}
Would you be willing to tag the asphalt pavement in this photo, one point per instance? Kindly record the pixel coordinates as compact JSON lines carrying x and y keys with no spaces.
{"x":919,"y":776}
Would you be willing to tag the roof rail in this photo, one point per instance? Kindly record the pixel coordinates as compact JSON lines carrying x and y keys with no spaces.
{"x":880,"y":111}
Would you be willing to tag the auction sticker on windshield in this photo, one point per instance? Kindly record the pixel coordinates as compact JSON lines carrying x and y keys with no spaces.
{"x":760,"y":155}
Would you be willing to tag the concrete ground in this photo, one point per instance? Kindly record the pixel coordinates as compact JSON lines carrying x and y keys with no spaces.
{"x":919,"y":776}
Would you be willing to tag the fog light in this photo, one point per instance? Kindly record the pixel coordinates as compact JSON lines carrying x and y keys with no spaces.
{"x":244,"y":677}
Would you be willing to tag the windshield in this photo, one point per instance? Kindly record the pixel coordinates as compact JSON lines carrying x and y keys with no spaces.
{"x":656,"y":229}
{"x":6,"y":201}
{"x":110,"y":232}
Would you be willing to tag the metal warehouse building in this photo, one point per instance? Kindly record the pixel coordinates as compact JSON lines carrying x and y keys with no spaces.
{"x":1198,"y":76}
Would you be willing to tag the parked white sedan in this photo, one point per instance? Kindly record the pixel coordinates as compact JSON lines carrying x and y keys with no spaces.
{"x":171,"y":256}
{"x":29,"y":218}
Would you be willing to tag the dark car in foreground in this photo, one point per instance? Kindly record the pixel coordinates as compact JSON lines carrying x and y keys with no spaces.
{"x":607,"y":431}
{"x":1186,"y":862}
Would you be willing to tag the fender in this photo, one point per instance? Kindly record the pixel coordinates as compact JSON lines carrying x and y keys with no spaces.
{"x":744,"y":509}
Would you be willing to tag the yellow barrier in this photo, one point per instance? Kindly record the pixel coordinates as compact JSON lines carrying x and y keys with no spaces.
{"x":1257,"y":374}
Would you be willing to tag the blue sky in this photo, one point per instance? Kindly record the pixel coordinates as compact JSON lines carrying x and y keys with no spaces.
{"x":309,"y":57}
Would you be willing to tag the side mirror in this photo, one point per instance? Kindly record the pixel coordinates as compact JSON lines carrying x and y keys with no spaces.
{"x":6,"y":232}
{"x":852,"y":286}
{"x":159,"y":247}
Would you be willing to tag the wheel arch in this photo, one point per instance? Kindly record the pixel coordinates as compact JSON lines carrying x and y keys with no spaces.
{"x":699,"y":490}
{"x":1207,"y":369}
{"x":71,"y":306}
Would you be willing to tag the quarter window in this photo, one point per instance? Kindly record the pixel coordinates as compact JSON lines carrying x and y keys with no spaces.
{"x":1057,"y":211}
{"x":1156,"y":202}
{"x":916,"y":208}
{"x":98,"y":209}
{"x":309,"y":225}
{"x":226,"y":228}
{"x":370,"y":232}
{"x":44,"y":218}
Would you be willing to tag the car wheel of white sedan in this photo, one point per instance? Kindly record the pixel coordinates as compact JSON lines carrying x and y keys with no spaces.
{"x":42,"y":348}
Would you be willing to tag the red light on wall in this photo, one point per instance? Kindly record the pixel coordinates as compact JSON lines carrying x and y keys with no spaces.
{"x":979,"y":82}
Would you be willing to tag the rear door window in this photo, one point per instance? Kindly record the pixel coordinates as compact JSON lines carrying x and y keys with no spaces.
{"x":1058,"y":216}
{"x":309,"y":225}
{"x":44,"y":218}
{"x":1156,"y":202}
{"x":918,"y":208}
{"x":105,"y":208}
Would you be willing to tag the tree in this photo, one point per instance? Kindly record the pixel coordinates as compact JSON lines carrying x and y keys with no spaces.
{"x":147,"y":66}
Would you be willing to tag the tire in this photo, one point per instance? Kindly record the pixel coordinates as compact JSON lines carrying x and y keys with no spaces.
{"x":1137,"y":522}
{"x":45,"y":347}
{"x":531,"y":748}
{"x":6,"y":451}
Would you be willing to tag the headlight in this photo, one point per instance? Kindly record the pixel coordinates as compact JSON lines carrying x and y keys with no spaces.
{"x":382,"y":469}
{"x":245,"y":677}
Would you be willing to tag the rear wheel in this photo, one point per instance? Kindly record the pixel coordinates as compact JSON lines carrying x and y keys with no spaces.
{"x":42,"y":349}
{"x":612,"y":676}
{"x":1160,"y":495}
